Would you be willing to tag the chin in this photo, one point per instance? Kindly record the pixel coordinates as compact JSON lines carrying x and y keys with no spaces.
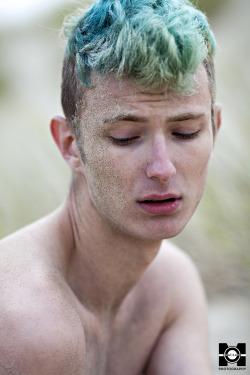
{"x":156,"y":233}
{"x":164,"y":235}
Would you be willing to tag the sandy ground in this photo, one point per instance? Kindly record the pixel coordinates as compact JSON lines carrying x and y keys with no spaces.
{"x":229,"y":319}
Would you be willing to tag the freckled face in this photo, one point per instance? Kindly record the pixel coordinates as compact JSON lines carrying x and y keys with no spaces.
{"x":145,"y":156}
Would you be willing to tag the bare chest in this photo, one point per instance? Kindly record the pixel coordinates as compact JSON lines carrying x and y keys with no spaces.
{"x":124,"y":347}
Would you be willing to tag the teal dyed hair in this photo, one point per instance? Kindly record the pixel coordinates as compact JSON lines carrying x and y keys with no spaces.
{"x":152,"y":42}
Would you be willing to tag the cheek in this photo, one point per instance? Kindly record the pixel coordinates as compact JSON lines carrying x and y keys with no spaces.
{"x":199,"y":165}
{"x":203,"y":157}
{"x":196,"y":164}
{"x":106,"y":176}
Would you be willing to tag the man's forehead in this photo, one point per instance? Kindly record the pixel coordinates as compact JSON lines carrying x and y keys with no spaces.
{"x":113,"y":88}
{"x":113,"y":98}
{"x":100,"y":103}
{"x":116,"y":86}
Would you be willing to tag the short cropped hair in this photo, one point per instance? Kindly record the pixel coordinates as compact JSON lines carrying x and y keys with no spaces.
{"x":154,"y":43}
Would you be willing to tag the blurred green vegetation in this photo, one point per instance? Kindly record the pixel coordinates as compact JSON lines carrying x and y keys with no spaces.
{"x":209,"y":6}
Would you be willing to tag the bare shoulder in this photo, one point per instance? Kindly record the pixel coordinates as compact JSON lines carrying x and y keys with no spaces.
{"x":39,"y":342}
{"x":174,"y":255}
{"x":174,"y":281}
{"x":177,"y":294}
{"x":40,"y":331}
{"x":174,"y":266}
{"x":182,"y":272}
{"x":178,"y":265}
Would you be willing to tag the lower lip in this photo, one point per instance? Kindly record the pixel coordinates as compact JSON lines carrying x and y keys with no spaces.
{"x":161,"y":208}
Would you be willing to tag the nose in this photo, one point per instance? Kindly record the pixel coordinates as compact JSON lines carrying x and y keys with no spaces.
{"x":160,"y":166}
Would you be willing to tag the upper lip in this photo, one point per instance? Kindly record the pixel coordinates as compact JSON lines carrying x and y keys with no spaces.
{"x":159,"y":197}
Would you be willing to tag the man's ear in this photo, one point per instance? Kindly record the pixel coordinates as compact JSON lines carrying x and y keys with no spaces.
{"x":65,"y":140}
{"x":217,"y":118}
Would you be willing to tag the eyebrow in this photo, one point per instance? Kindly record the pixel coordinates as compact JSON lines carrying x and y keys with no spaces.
{"x":133,"y":118}
{"x":186,"y":116}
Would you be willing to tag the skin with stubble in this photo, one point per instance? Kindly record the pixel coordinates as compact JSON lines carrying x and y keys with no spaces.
{"x":92,"y":289}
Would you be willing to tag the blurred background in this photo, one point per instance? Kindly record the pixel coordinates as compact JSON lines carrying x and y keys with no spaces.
{"x":34,"y":179}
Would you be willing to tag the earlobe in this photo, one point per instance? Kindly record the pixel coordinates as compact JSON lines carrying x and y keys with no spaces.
{"x":217,"y":115}
{"x":65,"y":141}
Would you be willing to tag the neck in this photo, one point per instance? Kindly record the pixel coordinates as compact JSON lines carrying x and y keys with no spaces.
{"x":104,"y":264}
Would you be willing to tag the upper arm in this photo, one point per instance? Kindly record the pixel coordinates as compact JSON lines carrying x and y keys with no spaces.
{"x":32,"y":347}
{"x":182,"y":347}
{"x":39,"y":331}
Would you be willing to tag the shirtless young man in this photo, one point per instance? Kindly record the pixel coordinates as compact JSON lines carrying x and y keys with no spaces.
{"x":92,"y":289}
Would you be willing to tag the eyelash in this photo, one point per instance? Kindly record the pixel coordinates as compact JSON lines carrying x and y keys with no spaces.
{"x":186,"y":136}
{"x":123,"y":141}
{"x":127,"y":141}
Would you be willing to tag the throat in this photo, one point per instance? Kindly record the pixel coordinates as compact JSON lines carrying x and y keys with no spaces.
{"x":104,"y":265}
